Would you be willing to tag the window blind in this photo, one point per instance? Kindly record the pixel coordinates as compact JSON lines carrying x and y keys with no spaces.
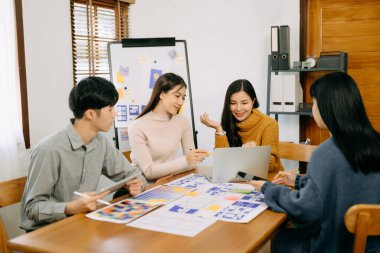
{"x":94,"y":23}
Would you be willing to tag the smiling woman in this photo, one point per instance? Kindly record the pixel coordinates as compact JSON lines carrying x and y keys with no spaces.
{"x":243,"y":124}
{"x":159,"y":129}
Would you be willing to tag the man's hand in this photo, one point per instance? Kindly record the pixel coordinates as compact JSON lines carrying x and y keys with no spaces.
{"x":84,"y":204}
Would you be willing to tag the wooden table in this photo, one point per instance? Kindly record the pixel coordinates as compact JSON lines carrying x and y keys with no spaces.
{"x":79,"y":234}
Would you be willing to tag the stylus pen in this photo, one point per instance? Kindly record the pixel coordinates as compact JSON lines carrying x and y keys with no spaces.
{"x":98,"y":200}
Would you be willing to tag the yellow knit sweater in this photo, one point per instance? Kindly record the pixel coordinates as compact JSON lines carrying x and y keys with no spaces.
{"x":261,"y":129}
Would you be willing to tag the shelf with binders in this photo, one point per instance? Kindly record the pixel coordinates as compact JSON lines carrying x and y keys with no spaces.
{"x":307,"y":70}
{"x":303,"y":108}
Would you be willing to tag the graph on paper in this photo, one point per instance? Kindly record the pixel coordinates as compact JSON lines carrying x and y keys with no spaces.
{"x":162,"y":194}
{"x":192,"y":181}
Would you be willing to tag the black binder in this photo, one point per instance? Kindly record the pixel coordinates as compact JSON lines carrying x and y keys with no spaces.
{"x":274,"y":47}
{"x":284,"y":41}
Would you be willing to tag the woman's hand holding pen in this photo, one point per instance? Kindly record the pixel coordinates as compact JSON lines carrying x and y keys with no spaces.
{"x":196,"y":156}
{"x":84,"y":204}
{"x":285,"y":178}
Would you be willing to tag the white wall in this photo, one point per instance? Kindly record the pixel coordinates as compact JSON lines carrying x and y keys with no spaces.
{"x":227,"y":40}
{"x":49,"y":69}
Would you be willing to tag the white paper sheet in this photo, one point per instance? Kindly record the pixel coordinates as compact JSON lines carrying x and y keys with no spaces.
{"x":173,"y":223}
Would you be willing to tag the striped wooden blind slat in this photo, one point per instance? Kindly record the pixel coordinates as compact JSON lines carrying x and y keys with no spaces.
{"x":94,"y":23}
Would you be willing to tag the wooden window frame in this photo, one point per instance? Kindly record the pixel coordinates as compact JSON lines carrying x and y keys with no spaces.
{"x":22,"y":71}
{"x":93,"y":55}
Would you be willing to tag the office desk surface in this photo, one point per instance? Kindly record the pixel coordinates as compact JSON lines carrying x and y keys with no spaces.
{"x":78,"y":234}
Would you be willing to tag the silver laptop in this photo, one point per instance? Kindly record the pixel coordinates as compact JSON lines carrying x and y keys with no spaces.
{"x":229,"y":161}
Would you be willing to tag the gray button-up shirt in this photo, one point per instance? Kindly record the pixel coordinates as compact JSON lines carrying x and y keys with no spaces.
{"x":62,"y":164}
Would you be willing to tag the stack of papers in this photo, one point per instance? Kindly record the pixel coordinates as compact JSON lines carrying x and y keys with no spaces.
{"x":192,"y":203}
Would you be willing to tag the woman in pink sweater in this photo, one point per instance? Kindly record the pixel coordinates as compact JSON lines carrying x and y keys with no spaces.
{"x":158,"y":131}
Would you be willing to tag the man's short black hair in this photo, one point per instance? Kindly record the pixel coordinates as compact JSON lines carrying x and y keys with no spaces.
{"x":92,"y":93}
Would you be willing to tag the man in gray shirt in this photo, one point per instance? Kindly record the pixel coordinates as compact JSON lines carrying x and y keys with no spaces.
{"x":74,"y":158}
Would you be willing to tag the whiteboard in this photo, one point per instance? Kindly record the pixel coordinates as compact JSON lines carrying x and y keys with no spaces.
{"x":135,"y":65}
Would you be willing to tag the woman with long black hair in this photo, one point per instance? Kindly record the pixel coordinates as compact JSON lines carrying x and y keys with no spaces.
{"x":343,"y":171}
{"x":243,"y":124}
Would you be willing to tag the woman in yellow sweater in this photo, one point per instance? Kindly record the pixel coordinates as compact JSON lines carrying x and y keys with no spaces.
{"x":243,"y":124}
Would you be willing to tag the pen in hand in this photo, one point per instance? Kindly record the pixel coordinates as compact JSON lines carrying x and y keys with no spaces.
{"x":98,"y":200}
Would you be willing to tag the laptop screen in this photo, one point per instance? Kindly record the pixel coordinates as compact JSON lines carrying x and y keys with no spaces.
{"x":229,"y":161}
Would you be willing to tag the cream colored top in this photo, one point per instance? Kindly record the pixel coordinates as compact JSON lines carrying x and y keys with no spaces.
{"x":155,"y":139}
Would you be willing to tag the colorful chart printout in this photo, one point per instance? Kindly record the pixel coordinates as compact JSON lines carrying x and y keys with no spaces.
{"x":123,"y":211}
{"x":192,"y":181}
{"x":163,"y":194}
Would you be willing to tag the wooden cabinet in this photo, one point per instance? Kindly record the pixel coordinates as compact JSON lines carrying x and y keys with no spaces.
{"x":347,"y":25}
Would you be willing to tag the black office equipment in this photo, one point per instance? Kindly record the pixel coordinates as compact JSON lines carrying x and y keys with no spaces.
{"x":248,"y":177}
{"x":274,"y":47}
{"x":284,"y":45}
{"x":332,"y":60}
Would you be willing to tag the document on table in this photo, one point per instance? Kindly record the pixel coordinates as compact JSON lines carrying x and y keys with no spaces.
{"x":123,"y":211}
{"x":198,"y":209}
{"x":192,"y":181}
{"x":174,"y":223}
{"x":221,"y":201}
{"x":162,"y":194}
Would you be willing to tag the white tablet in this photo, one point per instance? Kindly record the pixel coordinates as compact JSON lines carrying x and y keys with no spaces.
{"x":119,"y":184}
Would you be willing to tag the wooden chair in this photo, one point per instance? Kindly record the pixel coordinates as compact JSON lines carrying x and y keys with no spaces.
{"x":127,"y":155}
{"x":297,"y":152}
{"x":362,"y":221}
{"x":10,"y":193}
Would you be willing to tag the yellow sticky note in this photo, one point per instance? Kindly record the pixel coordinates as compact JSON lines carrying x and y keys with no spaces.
{"x":119,"y":77}
{"x":180,"y":190}
{"x":157,"y":200}
{"x":179,"y":59}
{"x":213,"y":208}
{"x":192,"y":194}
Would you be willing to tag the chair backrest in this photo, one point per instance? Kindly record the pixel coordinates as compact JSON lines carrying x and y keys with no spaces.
{"x":362,"y":220}
{"x":297,"y":152}
{"x":10,"y":193}
{"x":127,"y":155}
